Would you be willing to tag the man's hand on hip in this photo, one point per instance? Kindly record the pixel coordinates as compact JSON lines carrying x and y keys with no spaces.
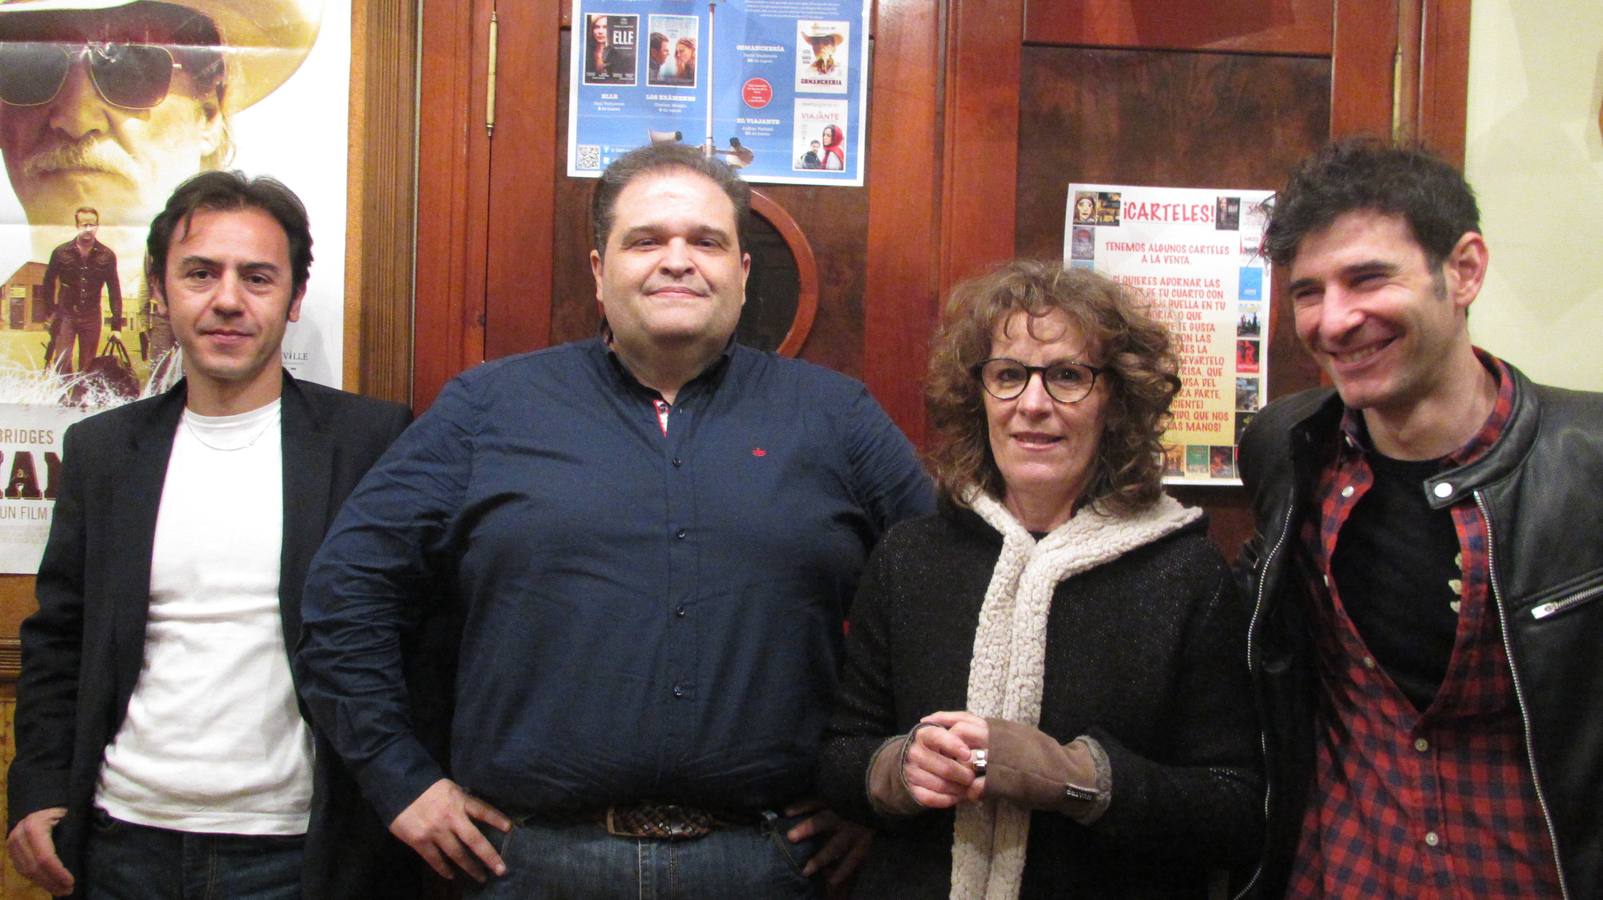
{"x":845,"y":843}
{"x":439,"y":825}
{"x":33,"y":850}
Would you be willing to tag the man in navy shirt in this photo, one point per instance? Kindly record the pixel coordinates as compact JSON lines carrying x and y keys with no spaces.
{"x":652,"y":537}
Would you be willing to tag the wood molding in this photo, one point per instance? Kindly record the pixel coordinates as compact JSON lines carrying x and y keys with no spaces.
{"x":806,"y":271}
{"x":900,"y":292}
{"x":452,"y":201}
{"x":1292,"y":27}
{"x":10,"y":658}
{"x":984,"y":51}
{"x":520,"y":209}
{"x":1444,"y":78}
{"x":1363,"y":77}
{"x":378,"y":243}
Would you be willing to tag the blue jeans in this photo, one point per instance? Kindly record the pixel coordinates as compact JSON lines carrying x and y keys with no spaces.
{"x":125,"y":861}
{"x":581,"y":860}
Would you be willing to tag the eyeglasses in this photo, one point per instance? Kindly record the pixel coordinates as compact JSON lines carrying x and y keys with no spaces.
{"x":130,"y":76}
{"x":1006,"y":379}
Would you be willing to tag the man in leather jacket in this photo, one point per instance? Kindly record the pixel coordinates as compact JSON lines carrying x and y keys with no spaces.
{"x":1428,"y":570}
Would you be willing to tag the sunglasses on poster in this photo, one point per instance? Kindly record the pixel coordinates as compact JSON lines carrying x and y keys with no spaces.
{"x":126,"y":75}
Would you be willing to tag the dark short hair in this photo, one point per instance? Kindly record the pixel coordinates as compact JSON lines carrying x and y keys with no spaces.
{"x":654,"y":159}
{"x":658,"y":39}
{"x":226,"y":191}
{"x":85,"y":210}
{"x":1367,"y":174}
{"x":1133,"y":349}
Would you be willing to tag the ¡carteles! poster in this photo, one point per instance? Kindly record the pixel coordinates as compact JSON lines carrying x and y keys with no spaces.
{"x":1195,"y":253}
{"x":776,"y":88}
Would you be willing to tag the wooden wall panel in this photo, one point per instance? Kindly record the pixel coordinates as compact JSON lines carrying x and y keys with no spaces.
{"x":1444,"y":77}
{"x":452,"y":197}
{"x":982,"y":104}
{"x":1173,"y":119}
{"x":1363,"y":78}
{"x":904,"y":177}
{"x":1245,"y":26}
{"x":520,"y":208}
{"x":12,"y":885}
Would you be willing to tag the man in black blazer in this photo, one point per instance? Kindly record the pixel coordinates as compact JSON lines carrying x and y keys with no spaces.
{"x":160,"y":745}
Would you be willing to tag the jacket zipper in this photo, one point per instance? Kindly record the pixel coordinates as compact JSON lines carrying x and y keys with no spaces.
{"x":1543,"y":610}
{"x":1263,"y":739}
{"x":1519,"y":688}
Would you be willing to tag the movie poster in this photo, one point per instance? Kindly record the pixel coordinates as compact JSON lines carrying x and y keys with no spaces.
{"x":107,"y":106}
{"x":1195,"y":252}
{"x":776,"y":88}
{"x":30,"y":458}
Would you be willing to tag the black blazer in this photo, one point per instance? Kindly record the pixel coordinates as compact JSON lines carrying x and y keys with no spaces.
{"x":83,"y":649}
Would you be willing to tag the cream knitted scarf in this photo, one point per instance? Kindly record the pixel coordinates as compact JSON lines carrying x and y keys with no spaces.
{"x":1006,"y":674}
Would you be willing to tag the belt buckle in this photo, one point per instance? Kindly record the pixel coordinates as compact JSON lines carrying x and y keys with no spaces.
{"x":666,"y":822}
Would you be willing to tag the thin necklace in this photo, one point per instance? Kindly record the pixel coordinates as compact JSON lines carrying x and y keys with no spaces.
{"x":224,"y":448}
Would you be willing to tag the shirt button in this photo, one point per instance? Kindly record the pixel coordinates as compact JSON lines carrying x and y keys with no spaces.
{"x":1421,"y":745}
{"x":1347,"y":491}
{"x":680,"y":612}
{"x":679,"y":691}
{"x":1443,"y":490}
{"x":1369,"y":662}
{"x":677,"y":462}
{"x":1432,"y":839}
{"x":680,"y":534}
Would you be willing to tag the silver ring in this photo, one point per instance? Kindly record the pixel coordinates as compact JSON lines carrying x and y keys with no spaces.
{"x":977,"y":759}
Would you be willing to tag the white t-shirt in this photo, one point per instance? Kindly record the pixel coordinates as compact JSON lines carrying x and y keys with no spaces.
{"x":213,"y":740}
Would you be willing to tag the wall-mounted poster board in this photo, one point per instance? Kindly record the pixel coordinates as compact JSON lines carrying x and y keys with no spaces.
{"x":776,"y":88}
{"x":1195,"y":253}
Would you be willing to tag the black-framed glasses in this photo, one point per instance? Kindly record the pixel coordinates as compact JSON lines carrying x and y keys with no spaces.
{"x":130,"y":76}
{"x":1067,"y":382}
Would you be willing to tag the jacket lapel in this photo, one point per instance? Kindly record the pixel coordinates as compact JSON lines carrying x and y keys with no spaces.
{"x":135,"y":498}
{"x":308,"y":472}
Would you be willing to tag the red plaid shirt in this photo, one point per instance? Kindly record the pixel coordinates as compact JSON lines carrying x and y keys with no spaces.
{"x":1438,"y":803}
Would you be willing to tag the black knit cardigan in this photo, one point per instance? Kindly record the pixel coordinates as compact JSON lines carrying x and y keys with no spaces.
{"x":1146,"y":653}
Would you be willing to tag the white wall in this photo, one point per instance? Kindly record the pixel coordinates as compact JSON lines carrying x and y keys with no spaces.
{"x":1535,"y":156}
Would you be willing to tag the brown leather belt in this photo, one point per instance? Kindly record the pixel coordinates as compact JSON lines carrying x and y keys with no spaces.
{"x":669,"y":822}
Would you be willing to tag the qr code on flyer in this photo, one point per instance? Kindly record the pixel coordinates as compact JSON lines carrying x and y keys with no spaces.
{"x":589,"y":156}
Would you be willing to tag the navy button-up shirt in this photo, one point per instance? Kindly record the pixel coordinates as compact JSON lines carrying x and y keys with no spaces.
{"x":653,"y":605}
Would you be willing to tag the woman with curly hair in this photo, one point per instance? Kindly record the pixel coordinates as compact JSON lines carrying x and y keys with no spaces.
{"x":1045,"y":691}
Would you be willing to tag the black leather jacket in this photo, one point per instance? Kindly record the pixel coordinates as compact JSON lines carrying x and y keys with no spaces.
{"x":1540,"y":489}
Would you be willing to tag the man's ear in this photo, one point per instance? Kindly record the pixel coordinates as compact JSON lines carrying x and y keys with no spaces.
{"x":295,"y":305}
{"x":1465,"y":269}
{"x":156,"y":293}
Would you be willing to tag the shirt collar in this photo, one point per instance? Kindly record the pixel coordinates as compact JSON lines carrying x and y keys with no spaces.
{"x":711,"y":374}
{"x":1355,"y":434}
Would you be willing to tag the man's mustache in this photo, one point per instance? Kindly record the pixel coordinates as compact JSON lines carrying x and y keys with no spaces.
{"x":91,"y":153}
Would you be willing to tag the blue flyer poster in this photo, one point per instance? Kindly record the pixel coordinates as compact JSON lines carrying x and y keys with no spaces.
{"x":776,"y":88}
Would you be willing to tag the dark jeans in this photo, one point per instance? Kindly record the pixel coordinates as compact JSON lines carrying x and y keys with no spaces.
{"x":83,"y":329}
{"x":125,"y":861}
{"x":581,"y":861}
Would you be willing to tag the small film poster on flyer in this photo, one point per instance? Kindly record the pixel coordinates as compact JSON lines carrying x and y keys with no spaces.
{"x":1195,"y":253}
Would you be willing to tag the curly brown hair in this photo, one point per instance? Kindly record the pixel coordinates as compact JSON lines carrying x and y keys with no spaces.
{"x":1137,"y":363}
